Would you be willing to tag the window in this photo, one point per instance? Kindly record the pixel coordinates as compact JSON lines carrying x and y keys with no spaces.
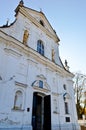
{"x":40,"y":47}
{"x":18,"y":100}
{"x":67,"y":119}
{"x":40,"y":84}
{"x":41,"y":22}
{"x":66,"y":108}
{"x":64,"y":86}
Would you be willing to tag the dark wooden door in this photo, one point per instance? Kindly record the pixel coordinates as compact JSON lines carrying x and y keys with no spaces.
{"x":36,"y":114}
{"x":47,"y":113}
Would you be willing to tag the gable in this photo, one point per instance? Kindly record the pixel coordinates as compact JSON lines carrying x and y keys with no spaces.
{"x":17,"y":30}
{"x":41,"y":19}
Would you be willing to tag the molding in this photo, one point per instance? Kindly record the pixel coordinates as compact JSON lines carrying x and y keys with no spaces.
{"x":55,"y":94}
{"x":33,"y":53}
{"x":31,"y":60}
{"x":20,"y":84}
{"x":41,"y":89}
{"x":41,"y":76}
{"x":11,"y":51}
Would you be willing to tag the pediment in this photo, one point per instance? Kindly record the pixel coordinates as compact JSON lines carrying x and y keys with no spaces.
{"x":42,"y":78}
{"x":40,"y":16}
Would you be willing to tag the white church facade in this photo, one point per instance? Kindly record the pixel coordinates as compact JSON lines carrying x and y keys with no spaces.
{"x":36,"y":89}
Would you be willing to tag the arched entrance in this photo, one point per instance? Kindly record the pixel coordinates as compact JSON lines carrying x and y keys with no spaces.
{"x":41,"y":113}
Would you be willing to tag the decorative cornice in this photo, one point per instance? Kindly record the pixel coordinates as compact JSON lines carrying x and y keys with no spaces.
{"x":29,"y":51}
{"x":11,"y":51}
{"x":41,"y":89}
{"x":20,"y":84}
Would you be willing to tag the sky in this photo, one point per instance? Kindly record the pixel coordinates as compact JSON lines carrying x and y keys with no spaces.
{"x":67,"y":17}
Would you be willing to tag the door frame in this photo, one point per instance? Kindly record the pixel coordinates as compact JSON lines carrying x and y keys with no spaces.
{"x":34,"y":107}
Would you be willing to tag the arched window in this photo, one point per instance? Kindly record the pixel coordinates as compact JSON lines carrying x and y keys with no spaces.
{"x":18,"y":100}
{"x":66,"y":108}
{"x":66,"y":98}
{"x":40,"y":47}
{"x":64,"y":86}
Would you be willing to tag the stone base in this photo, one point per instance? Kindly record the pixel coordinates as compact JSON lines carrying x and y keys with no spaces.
{"x":15,"y":127}
{"x":54,"y":127}
{"x":68,"y":126}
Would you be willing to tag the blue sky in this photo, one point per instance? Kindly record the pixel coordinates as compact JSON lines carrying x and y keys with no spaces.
{"x":67,"y":17}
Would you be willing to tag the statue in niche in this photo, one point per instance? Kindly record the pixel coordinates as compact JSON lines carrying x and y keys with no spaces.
{"x":53,"y":55}
{"x":25,"y":37}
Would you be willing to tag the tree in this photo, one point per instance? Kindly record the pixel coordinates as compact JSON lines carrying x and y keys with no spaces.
{"x":79,"y":87}
{"x":84,"y":104}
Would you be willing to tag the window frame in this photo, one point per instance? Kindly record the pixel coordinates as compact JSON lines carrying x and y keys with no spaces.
{"x":16,"y":108}
{"x":40,"y":47}
{"x":66,"y":108}
{"x":67,"y":119}
{"x":40,"y":84}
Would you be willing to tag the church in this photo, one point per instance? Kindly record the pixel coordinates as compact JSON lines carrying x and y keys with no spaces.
{"x":36,"y":88}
